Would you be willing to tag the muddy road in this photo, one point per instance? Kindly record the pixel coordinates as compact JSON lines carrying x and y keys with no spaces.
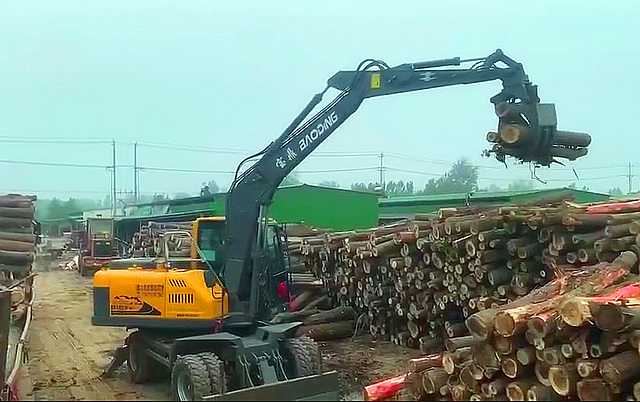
{"x":67,"y":354}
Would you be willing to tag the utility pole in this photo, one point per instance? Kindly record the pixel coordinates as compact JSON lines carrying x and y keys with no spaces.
{"x":630,"y":176}
{"x":113,"y":188}
{"x":135,"y":172}
{"x":382,"y":171}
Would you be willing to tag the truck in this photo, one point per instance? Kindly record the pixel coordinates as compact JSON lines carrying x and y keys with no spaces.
{"x":97,"y":246}
{"x":207,"y":327}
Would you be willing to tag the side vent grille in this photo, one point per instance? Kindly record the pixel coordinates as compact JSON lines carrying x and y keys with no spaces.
{"x":177,"y":283}
{"x":181,"y":298}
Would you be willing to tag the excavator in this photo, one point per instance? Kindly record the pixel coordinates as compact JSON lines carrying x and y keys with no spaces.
{"x":207,"y":326}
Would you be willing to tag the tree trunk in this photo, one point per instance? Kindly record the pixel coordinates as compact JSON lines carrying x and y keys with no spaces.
{"x":384,"y":390}
{"x":330,"y":331}
{"x":301,"y":300}
{"x":594,"y":390}
{"x":336,"y":314}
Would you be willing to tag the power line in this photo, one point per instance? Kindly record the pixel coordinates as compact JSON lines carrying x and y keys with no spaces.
{"x":73,"y":165}
{"x":25,"y":140}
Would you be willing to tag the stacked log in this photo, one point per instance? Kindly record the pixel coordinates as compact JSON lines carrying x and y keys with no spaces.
{"x":147,"y":241}
{"x":418,"y":280}
{"x":577,"y":337}
{"x":17,"y":235}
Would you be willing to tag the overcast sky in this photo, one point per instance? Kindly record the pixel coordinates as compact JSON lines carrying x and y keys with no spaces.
{"x":228,"y":77}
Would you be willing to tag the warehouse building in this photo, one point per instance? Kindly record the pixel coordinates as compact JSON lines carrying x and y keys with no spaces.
{"x":317,"y":206}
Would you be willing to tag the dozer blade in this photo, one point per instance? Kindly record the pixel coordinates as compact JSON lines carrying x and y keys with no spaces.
{"x":321,"y":387}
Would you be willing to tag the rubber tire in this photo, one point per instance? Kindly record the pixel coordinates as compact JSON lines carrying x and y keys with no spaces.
{"x":215,"y":368}
{"x":138,"y":371}
{"x":304,"y":355}
{"x":195,"y":369}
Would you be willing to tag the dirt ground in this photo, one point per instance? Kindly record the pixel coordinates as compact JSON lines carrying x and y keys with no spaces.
{"x":67,"y":354}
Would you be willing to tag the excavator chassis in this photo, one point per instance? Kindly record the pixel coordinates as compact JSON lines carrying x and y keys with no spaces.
{"x":265,"y":364}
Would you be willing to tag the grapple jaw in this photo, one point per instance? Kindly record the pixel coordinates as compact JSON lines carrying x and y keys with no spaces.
{"x":529,"y":133}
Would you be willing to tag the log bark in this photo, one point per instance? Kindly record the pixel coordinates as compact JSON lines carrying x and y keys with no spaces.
{"x":330,"y":331}
{"x":10,"y":245}
{"x":301,"y":300}
{"x":593,"y":390}
{"x":434,"y":379}
{"x":610,"y":317}
{"x":15,"y":257}
{"x":419,"y":364}
{"x":285,"y":317}
{"x":620,"y":368}
{"x":336,"y":314}
{"x":21,"y":237}
{"x":26,"y":213}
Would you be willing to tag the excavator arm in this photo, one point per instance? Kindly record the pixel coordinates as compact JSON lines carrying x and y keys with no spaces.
{"x":252,"y":191}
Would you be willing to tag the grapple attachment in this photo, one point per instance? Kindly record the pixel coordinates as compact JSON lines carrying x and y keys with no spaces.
{"x":528,"y":132}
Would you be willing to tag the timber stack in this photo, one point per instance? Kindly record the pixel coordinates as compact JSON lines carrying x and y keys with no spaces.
{"x":17,"y":249}
{"x":418,"y":280}
{"x":17,"y":235}
{"x":146,"y":242}
{"x":576,"y":337}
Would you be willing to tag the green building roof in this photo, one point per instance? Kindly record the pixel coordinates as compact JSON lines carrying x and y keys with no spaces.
{"x":407,"y":206}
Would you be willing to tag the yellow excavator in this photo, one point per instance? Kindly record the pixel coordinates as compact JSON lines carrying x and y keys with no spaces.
{"x":204,"y":319}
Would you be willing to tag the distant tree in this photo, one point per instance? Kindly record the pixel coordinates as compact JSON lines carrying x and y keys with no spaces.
{"x":213,"y":187}
{"x":290,"y":180}
{"x":181,"y":195}
{"x":572,"y":185}
{"x":399,"y":188}
{"x":616,"y":191}
{"x":461,"y":178}
{"x":493,"y":187}
{"x":521,"y":185}
{"x":57,"y":209}
{"x":365,"y":187}
{"x":330,"y":184}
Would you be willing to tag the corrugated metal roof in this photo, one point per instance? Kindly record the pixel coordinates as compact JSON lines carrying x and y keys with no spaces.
{"x":477,"y":196}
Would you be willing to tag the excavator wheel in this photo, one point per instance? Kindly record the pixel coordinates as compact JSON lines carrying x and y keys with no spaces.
{"x":215,"y":368}
{"x":137,"y":361}
{"x":304,"y":355}
{"x":190,"y":379}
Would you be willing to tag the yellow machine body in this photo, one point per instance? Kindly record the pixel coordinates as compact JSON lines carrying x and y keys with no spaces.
{"x":165,"y":292}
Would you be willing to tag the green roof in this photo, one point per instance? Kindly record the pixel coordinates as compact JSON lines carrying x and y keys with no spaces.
{"x":481,"y":195}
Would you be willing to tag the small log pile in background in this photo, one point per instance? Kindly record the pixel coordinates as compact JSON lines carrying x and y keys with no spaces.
{"x":17,"y":248}
{"x":146,"y":242}
{"x":17,"y":235}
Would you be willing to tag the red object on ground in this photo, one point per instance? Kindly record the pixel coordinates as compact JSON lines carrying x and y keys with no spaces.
{"x":383,"y":390}
{"x":614,"y":207}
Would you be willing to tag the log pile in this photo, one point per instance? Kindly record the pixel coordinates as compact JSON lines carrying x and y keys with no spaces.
{"x":576,"y":337}
{"x":17,"y":235}
{"x":146,"y":242}
{"x":418,"y":280}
